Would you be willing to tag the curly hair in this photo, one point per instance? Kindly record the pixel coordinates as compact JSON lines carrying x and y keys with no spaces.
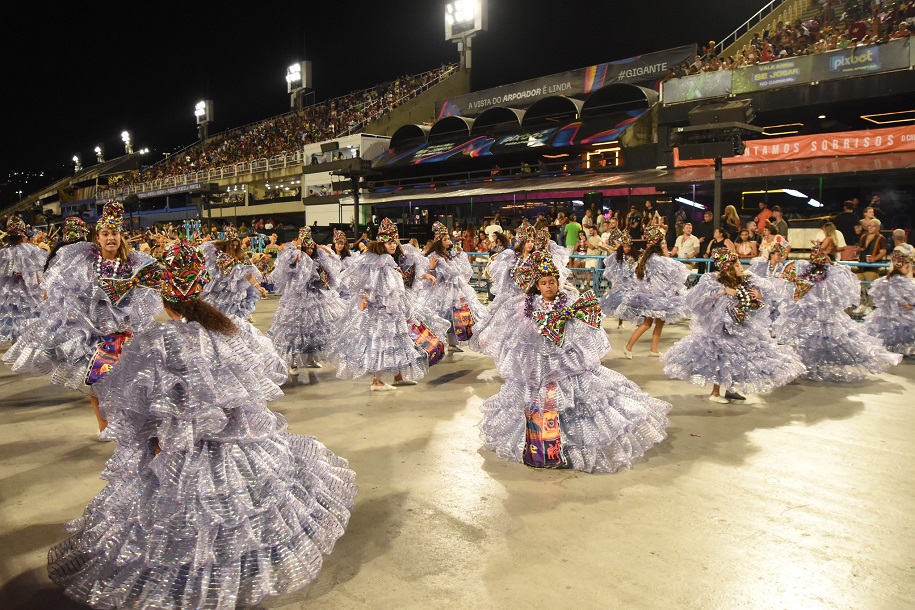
{"x":204,"y":314}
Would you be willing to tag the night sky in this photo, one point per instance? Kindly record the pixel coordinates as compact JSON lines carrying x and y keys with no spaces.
{"x":79,"y":77}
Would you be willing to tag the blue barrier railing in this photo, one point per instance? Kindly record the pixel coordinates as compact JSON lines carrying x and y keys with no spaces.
{"x":587,"y":271}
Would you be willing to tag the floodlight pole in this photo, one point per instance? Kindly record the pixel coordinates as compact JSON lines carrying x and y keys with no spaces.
{"x":716,"y":206}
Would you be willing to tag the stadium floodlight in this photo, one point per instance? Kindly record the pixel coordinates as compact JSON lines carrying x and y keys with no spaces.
{"x":99,"y":154}
{"x":144,"y":151}
{"x":125,"y":137}
{"x":690,"y":202}
{"x":463,"y":19}
{"x":77,"y":165}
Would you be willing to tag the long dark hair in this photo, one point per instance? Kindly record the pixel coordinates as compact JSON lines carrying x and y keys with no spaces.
{"x":654,"y":248}
{"x":438,"y":248}
{"x":204,"y":314}
{"x":377,"y":247}
{"x":54,"y":250}
{"x":14,"y":240}
{"x":232,"y":247}
{"x":729,"y":277}
{"x":344,"y":252}
{"x":620,"y":254}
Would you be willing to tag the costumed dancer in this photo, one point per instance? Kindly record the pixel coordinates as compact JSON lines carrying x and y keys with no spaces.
{"x":344,"y":257}
{"x":235,"y":285}
{"x":656,"y":294}
{"x":74,"y":230}
{"x":729,"y":344}
{"x":306,"y":275}
{"x":94,"y":303}
{"x":619,"y":270}
{"x":21,"y":271}
{"x":559,"y":408}
{"x":210,"y":502}
{"x":893,"y":318}
{"x":831,"y":344}
{"x":376,"y":334}
{"x":451,"y":296}
{"x":771,"y":274}
{"x":511,"y":273}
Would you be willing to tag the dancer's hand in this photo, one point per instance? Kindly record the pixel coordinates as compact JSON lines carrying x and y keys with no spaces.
{"x":364,"y":304}
{"x":429,"y":277}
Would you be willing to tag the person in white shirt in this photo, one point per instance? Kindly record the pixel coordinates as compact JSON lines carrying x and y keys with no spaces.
{"x":687,"y":244}
{"x":493,"y":227}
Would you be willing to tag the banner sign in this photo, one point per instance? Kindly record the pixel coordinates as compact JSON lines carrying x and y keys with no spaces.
{"x":894,"y":55}
{"x":647,"y":70}
{"x":781,"y":73}
{"x":697,"y":87}
{"x":838,"y":144}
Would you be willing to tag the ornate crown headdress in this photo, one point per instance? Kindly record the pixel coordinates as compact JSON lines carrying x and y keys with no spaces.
{"x":305,"y":236}
{"x":74,"y":229}
{"x":15,"y":226}
{"x":439,"y":231}
{"x":625,"y":239}
{"x":184,"y":273}
{"x":231,"y":233}
{"x":723,"y":258}
{"x":387,"y":231}
{"x":778,"y":247}
{"x":526,"y":231}
{"x":543,"y":266}
{"x":653,"y":235}
{"x":542,"y":238}
{"x":339,"y":236}
{"x":900,"y":259}
{"x":818,"y":257}
{"x":112,"y":217}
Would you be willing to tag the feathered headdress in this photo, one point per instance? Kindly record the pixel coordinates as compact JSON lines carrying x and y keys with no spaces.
{"x":112,"y":217}
{"x":15,"y":226}
{"x":305,"y":237}
{"x":183,"y":274}
{"x":74,"y":229}
{"x":439,"y":231}
{"x":724,"y":259}
{"x":387,"y":231}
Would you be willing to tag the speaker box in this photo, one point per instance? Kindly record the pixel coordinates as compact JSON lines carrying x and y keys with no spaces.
{"x":735,"y":111}
{"x":329,"y":146}
{"x":710,"y":150}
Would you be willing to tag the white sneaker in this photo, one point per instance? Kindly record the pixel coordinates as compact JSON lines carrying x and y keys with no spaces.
{"x":654,"y":354}
{"x":718,"y":399}
{"x":384,"y":387}
{"x":627,"y":353}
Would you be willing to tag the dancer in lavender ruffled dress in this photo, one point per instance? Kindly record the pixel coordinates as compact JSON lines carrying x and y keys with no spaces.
{"x":771,"y":273}
{"x":235,"y":285}
{"x":893,"y":318}
{"x":21,"y":271}
{"x":209,"y":502}
{"x":656,"y":295}
{"x":832,"y":345}
{"x":374,"y":334}
{"x":511,"y":272}
{"x":559,"y":408}
{"x":619,"y":270}
{"x":307,"y":275}
{"x":93,"y":305}
{"x":451,"y":297}
{"x":729,"y":344}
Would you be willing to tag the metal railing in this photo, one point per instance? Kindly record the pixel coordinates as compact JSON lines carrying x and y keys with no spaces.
{"x":790,"y":14}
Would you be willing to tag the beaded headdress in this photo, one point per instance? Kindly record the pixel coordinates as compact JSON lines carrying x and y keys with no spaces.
{"x":542,"y":238}
{"x":231,"y":233}
{"x":653,"y":235}
{"x":183,"y":272}
{"x":624,"y":239}
{"x":526,"y":231}
{"x":305,"y":236}
{"x":543,"y":266}
{"x":74,"y":229}
{"x":900,"y":259}
{"x":778,"y":247}
{"x":818,"y":257}
{"x":387,"y":231}
{"x":439,"y":231}
{"x":724,"y":258}
{"x":15,"y":226}
{"x":339,"y":236}
{"x":111,"y":218}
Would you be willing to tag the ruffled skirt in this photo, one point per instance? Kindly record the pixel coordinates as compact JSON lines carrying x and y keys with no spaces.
{"x":17,"y":304}
{"x":305,"y":322}
{"x":222,"y":526}
{"x":606,"y":420}
{"x":375,"y":341}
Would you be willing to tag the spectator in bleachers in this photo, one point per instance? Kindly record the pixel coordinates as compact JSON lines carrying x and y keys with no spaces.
{"x":871,"y":249}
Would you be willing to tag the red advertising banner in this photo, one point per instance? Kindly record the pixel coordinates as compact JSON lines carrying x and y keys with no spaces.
{"x":839,"y":144}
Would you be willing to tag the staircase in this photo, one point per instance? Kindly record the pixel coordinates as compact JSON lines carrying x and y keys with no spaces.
{"x":766,"y":19}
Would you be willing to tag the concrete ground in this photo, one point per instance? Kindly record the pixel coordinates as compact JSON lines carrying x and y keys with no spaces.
{"x":798,"y":499}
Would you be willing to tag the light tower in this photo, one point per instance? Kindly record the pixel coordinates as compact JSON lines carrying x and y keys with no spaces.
{"x":204,"y":113}
{"x":125,"y":137}
{"x":463,"y":19}
{"x":99,"y":155}
{"x":298,"y":83}
{"x":77,"y":166}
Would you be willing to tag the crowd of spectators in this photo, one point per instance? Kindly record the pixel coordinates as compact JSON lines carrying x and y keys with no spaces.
{"x":286,"y":134}
{"x":837,"y":24}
